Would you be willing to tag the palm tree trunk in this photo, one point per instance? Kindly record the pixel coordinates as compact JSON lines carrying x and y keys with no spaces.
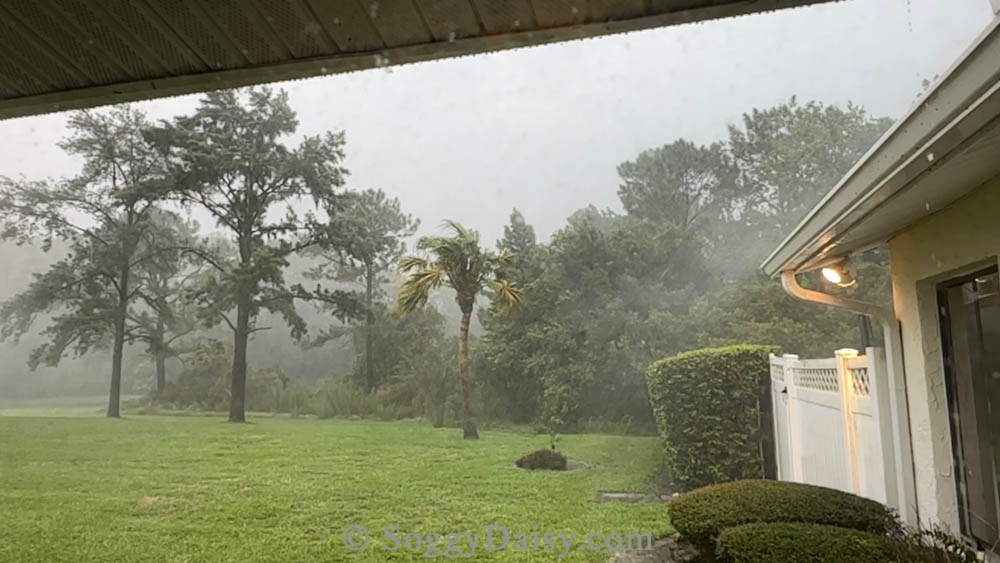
{"x":468,"y":426}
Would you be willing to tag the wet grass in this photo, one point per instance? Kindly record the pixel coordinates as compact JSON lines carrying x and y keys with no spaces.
{"x":179,"y":489}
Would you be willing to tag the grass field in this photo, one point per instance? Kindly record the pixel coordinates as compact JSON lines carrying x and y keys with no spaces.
{"x":56,"y":406}
{"x":180,"y":489}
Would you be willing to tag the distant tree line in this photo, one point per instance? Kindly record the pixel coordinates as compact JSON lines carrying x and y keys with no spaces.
{"x":678,"y":270}
{"x":569,"y":326}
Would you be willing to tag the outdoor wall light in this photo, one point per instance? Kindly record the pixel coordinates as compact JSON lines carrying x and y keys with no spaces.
{"x":838,"y":274}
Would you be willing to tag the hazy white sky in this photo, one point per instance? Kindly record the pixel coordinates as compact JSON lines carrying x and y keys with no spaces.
{"x":543,"y":129}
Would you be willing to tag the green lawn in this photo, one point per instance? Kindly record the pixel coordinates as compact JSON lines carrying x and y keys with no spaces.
{"x":172,"y":489}
{"x":56,"y":406}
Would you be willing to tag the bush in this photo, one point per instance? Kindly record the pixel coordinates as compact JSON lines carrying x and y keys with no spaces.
{"x":701,"y":515}
{"x":339,"y":398}
{"x":626,"y":426}
{"x":543,"y":459}
{"x":706,"y":404}
{"x":204,"y":383}
{"x":941,"y":541}
{"x":819,"y":543}
{"x":296,"y":402}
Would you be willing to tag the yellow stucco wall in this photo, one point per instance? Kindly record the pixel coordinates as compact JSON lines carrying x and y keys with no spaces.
{"x":958,"y":240}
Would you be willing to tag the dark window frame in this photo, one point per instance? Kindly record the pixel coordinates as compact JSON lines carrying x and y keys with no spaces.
{"x":952,"y":400}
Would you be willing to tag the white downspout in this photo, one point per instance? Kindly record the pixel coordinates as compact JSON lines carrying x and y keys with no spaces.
{"x":899,"y":411}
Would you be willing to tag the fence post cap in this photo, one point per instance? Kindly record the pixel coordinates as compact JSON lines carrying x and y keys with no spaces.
{"x":846,"y":353}
{"x":790,"y":356}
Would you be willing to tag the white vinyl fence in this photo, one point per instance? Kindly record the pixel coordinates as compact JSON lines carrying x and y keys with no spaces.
{"x":830,"y":422}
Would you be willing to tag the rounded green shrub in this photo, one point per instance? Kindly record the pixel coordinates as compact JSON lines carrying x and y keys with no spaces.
{"x":701,"y":515}
{"x":816,"y":543}
{"x":543,"y":459}
{"x":708,"y":409}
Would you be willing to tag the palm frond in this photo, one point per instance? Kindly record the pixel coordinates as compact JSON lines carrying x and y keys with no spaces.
{"x":410,"y":263}
{"x":507,"y":296}
{"x":506,"y":258}
{"x":432,"y":244}
{"x":417,"y":288}
{"x":460,"y":230}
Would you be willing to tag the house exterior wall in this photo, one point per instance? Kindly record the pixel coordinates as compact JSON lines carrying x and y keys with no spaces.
{"x":958,"y":240}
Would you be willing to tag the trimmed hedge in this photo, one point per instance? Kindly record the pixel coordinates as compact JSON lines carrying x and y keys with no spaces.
{"x":701,"y":515}
{"x":816,"y":543}
{"x":706,"y":404}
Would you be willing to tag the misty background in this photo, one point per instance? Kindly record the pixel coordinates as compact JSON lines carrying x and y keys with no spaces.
{"x":540,"y":129}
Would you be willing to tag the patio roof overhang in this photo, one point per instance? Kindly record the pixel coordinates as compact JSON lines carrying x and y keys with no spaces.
{"x":944,"y":147}
{"x":59,"y":54}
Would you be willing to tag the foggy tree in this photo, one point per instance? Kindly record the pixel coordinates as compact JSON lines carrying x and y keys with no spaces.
{"x":103,"y":216}
{"x":759,"y":311}
{"x":230,"y":158}
{"x":789,"y":156}
{"x":606,"y":279}
{"x":427,"y":373}
{"x":458,"y":262}
{"x":372,"y":228}
{"x":679,"y":183}
{"x":518,"y":237}
{"x":576,"y":319}
{"x":420,"y":360}
{"x":165,"y":315}
{"x":512,"y":386}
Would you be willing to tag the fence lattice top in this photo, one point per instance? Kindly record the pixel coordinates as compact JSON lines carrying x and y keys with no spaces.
{"x":822,"y":375}
{"x":861,"y":381}
{"x":821,"y":379}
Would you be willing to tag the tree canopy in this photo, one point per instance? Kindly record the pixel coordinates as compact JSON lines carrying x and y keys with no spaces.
{"x":104,"y":216}
{"x":230,"y":159}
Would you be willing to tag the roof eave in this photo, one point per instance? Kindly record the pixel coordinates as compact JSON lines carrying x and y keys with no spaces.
{"x":295,"y":69}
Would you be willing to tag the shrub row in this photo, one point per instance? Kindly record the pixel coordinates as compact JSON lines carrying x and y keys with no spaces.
{"x":818,"y":543}
{"x":701,"y":515}
{"x":759,"y":521}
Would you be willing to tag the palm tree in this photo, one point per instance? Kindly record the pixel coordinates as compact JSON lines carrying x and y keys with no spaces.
{"x":458,"y":262}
